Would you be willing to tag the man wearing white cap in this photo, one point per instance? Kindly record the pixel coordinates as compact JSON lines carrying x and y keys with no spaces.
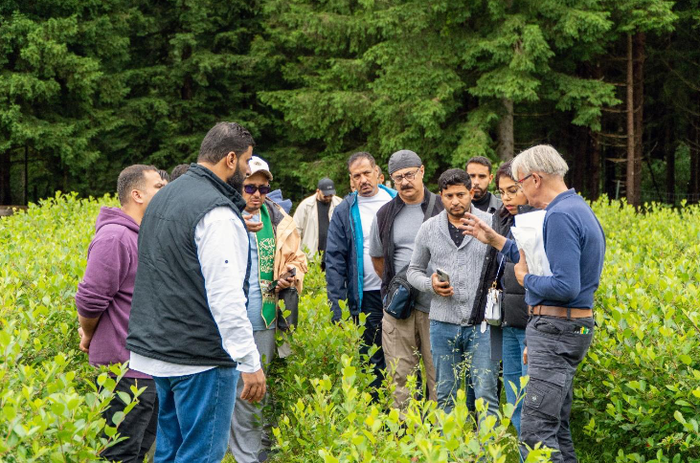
{"x":277,"y":263}
{"x":313,"y":215}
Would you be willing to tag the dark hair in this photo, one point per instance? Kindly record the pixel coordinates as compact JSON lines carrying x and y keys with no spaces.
{"x":178,"y":171}
{"x":480,"y":160}
{"x":164,"y":175}
{"x":131,"y":178}
{"x":504,"y":171}
{"x":454,"y":177}
{"x":223,"y":138}
{"x":361,"y":155}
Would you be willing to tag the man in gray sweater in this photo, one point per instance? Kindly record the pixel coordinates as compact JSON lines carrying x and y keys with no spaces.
{"x":459,"y":337}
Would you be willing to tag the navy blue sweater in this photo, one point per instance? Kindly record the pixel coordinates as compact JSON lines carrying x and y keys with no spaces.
{"x":574,"y":242}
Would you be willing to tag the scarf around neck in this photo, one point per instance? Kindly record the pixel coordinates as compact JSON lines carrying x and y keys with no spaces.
{"x":265,"y":239}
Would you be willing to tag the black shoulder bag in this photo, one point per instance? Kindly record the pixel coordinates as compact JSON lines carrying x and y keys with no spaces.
{"x":400,"y":296}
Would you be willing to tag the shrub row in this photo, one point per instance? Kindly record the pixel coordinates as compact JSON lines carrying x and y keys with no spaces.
{"x":636,"y":398}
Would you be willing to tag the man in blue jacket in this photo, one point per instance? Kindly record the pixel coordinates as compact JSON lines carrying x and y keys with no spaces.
{"x":561,"y":325}
{"x":349,"y":272}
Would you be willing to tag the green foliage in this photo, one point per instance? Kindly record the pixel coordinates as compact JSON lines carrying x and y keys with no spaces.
{"x":324,"y":411}
{"x":88,"y":87}
{"x":50,"y":407}
{"x":639,"y":388}
{"x":431,"y":76}
{"x":56,"y":88}
{"x":636,"y":395}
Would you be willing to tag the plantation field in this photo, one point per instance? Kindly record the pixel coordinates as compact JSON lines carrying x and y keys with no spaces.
{"x":637,"y":395}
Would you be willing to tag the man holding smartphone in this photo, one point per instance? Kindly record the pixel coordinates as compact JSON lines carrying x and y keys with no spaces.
{"x":277,"y":263}
{"x":459,"y":337}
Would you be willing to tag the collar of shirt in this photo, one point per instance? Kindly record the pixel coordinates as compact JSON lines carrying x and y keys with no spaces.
{"x":560,"y":197}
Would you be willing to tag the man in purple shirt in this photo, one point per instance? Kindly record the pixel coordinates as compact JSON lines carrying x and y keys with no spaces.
{"x":561,"y":325}
{"x":104,"y":303}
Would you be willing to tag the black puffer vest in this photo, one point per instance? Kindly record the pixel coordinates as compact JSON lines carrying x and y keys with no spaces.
{"x":170,"y":318}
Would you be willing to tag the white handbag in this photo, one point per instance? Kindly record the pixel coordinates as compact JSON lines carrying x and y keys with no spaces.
{"x":493,"y":314}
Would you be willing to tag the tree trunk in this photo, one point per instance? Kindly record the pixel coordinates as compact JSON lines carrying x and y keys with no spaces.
{"x":594,"y":168}
{"x":5,"y":185}
{"x":186,"y":89}
{"x":632,"y":172}
{"x":579,"y":147}
{"x":25,"y":178}
{"x":670,"y":165}
{"x":593,"y":179}
{"x":639,"y":50}
{"x":694,"y":183}
{"x":506,"y":138}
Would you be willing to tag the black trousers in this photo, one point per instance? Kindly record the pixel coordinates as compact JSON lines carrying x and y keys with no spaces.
{"x":372,"y":306}
{"x":139,"y":425}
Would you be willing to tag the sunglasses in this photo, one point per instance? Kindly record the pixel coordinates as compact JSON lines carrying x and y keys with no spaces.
{"x":251,"y":189}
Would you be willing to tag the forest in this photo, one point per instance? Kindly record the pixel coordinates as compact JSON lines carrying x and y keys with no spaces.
{"x":88,"y":87}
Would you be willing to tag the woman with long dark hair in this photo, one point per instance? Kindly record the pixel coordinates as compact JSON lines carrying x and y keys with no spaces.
{"x":508,"y":342}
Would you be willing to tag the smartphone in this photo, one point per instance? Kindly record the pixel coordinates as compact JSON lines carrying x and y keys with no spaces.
{"x":291,"y":273}
{"x":442,"y":275}
{"x":284,"y":276}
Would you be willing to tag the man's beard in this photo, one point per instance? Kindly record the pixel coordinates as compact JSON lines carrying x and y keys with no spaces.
{"x":236,"y":180}
{"x":461,"y":214}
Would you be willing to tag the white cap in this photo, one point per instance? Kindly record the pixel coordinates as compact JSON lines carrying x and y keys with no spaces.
{"x":256,"y":164}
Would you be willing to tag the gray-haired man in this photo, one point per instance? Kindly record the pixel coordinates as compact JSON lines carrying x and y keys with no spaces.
{"x":561,"y":325}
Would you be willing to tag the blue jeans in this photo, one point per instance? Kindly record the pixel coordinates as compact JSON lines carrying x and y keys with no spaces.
{"x":461,"y":352}
{"x":195,"y":416}
{"x":513,"y":368}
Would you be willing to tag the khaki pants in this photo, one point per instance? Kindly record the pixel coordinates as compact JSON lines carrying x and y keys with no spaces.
{"x":404,"y":342}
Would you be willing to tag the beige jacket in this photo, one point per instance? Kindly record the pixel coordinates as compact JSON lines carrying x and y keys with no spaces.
{"x":306,"y":218}
{"x":288,"y":250}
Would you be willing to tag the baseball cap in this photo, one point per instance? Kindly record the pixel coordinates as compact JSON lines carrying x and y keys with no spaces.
{"x":326,"y":186}
{"x":256,"y":164}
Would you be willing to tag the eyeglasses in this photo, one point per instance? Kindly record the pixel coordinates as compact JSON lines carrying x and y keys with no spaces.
{"x":510,"y":192}
{"x":251,"y":189}
{"x":408,"y":176}
{"x":523,"y":179}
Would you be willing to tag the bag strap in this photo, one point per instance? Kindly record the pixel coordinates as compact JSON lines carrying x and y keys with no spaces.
{"x":431,"y":206}
{"x":498,"y":272}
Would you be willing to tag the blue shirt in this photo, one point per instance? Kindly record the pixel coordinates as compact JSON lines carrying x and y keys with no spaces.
{"x":574,"y":243}
{"x":254,"y":295}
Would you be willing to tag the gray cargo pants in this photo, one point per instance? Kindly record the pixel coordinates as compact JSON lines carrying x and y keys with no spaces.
{"x":555,"y":347}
